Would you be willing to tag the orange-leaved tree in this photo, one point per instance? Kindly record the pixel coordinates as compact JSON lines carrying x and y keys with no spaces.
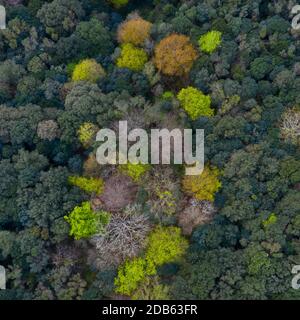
{"x":175,"y":55}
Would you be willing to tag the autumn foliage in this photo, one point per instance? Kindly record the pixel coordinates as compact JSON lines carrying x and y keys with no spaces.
{"x":134,"y":31}
{"x":175,"y":55}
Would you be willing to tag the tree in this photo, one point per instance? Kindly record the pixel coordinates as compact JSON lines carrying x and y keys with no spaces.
{"x":48,"y":130}
{"x":135,"y":171}
{"x":175,"y":55}
{"x":86,"y":133}
{"x":210,"y":41}
{"x":119,"y":192}
{"x":125,"y":238}
{"x":129,"y":275}
{"x":290,"y":126}
{"x":132,"y":58}
{"x":165,"y":245}
{"x":88,"y":70}
{"x":134,"y":30}
{"x":195,"y":103}
{"x":96,"y":38}
{"x":85,"y":222}
{"x":60,"y":16}
{"x":89,"y":185}
{"x":203,"y":186}
{"x":194,"y":214}
{"x":151,"y":289}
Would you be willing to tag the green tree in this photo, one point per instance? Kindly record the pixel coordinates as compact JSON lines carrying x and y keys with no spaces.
{"x":85,"y":222}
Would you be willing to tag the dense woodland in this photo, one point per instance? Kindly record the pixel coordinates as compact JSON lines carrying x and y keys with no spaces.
{"x":72,"y":229}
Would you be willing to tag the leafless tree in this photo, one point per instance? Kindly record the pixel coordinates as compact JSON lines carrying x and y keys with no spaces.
{"x":290,"y":126}
{"x":124,"y":238}
{"x":195,"y":213}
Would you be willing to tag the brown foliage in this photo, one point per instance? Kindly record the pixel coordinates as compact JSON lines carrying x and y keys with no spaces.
{"x":175,"y":55}
{"x":135,"y":31}
{"x":196,"y":213}
{"x":119,"y":192}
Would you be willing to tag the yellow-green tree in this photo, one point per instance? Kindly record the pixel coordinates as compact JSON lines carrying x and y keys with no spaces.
{"x":210,"y":41}
{"x":132,"y":57}
{"x":135,"y":171}
{"x":195,"y":103}
{"x":88,"y":70}
{"x":165,"y":245}
{"x":86,"y":133}
{"x":203,"y":186}
{"x":89,"y":185}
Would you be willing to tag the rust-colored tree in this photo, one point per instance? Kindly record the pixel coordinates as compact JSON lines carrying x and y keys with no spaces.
{"x":175,"y":55}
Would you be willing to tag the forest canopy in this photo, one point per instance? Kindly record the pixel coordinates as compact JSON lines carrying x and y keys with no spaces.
{"x":71,"y":228}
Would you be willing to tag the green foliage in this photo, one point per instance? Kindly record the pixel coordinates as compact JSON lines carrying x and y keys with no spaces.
{"x":129,"y":275}
{"x":89,"y":185}
{"x":210,"y":41}
{"x":95,"y":36}
{"x":195,"y":103}
{"x":165,"y":244}
{"x":258,"y":260}
{"x":132,"y":58}
{"x":85,"y":222}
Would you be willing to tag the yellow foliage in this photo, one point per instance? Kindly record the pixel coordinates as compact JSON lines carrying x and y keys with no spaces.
{"x":134,"y":31}
{"x":175,"y":55}
{"x":203,"y":186}
{"x":86,"y":133}
{"x":132,"y":58}
{"x":88,"y":70}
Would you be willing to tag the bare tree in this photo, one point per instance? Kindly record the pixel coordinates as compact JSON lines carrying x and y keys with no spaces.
{"x":125,"y":237}
{"x":290,"y":126}
{"x":195,"y":213}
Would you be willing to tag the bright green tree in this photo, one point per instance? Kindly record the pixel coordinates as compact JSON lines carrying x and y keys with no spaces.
{"x":85,"y":222}
{"x":165,"y":244}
